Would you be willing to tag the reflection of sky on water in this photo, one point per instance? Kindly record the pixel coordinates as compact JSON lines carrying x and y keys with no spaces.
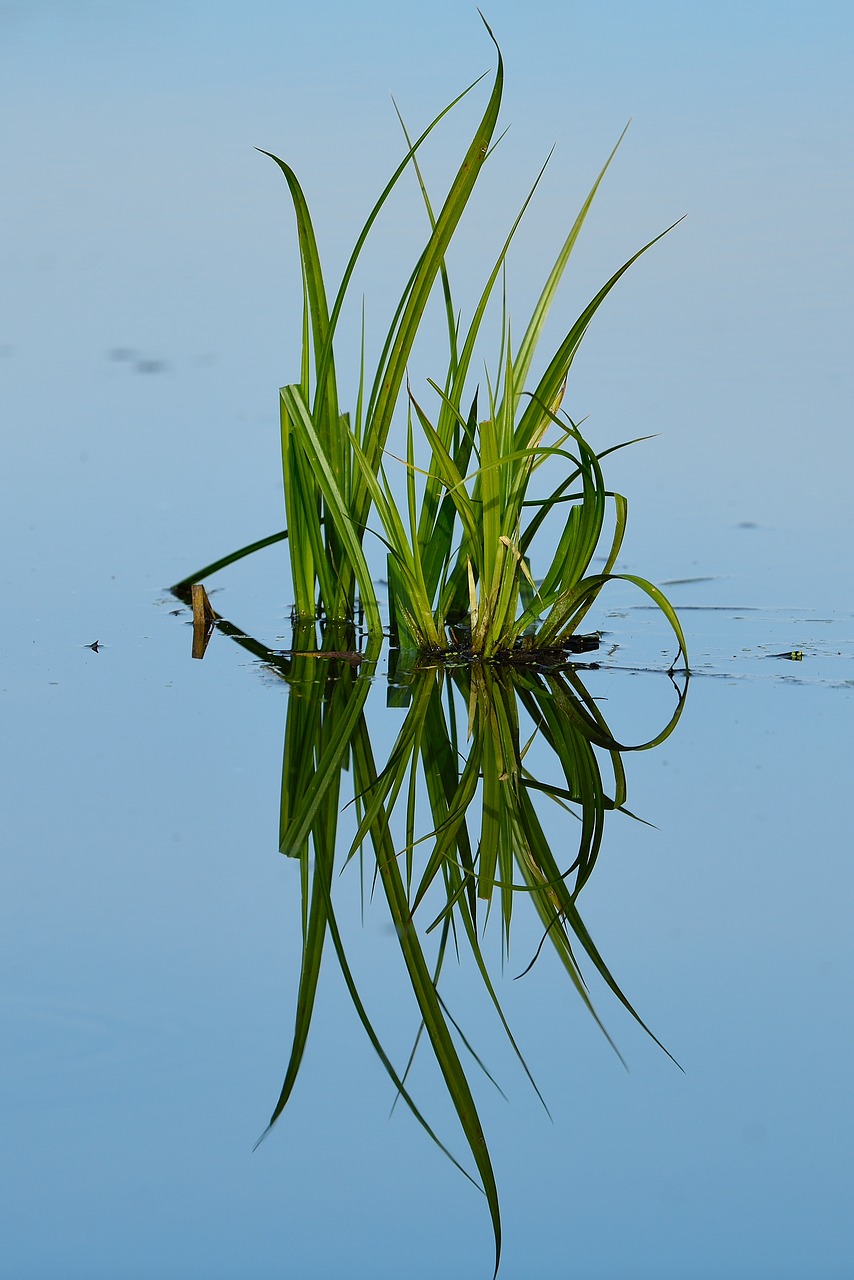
{"x":148,"y":933}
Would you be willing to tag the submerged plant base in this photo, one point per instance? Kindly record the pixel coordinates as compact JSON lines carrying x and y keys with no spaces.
{"x":524,"y":653}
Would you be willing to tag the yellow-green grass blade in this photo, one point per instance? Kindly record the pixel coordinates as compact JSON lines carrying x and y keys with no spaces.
{"x":528,"y":346}
{"x":377,"y":208}
{"x":446,"y":284}
{"x":336,"y":509}
{"x":578,"y":599}
{"x":509,"y":594}
{"x":490,"y":476}
{"x":305,"y":347}
{"x":451,"y":478}
{"x":428,"y":267}
{"x":439,"y":532}
{"x":621,"y":517}
{"x":415,"y":601}
{"x":309,"y":561}
{"x":666,"y":608}
{"x":458,"y":372}
{"x":225,"y":561}
{"x":436,"y":527}
{"x":583,"y":527}
{"x":316,"y":293}
{"x":325,"y":414}
{"x":549,"y":385}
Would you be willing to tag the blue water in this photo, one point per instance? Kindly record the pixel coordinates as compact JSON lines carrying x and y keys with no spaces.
{"x":149,"y":931}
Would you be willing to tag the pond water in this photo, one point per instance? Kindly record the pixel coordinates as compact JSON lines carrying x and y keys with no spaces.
{"x":150,"y":937}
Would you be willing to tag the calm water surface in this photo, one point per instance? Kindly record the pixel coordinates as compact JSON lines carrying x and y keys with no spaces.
{"x":150,"y":931}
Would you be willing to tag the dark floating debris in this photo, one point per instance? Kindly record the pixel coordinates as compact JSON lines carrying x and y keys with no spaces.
{"x":95,"y":646}
{"x":521,"y":654}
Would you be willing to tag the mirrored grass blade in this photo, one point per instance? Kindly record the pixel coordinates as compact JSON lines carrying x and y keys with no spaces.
{"x":330,"y":755}
{"x":398,"y":1082}
{"x":320,"y":921}
{"x":314,"y":937}
{"x":327,"y":733}
{"x":426,"y":996}
{"x":316,"y":739}
{"x":463,"y":582}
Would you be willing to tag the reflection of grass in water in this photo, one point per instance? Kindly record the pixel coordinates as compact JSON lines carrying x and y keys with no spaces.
{"x":482,"y":845}
{"x":459,"y":576}
{"x":461,"y":546}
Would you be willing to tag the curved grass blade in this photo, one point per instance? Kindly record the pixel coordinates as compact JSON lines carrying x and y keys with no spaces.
{"x":425,"y":993}
{"x":549,"y":385}
{"x":391,"y":373}
{"x":225,"y":561}
{"x":338,"y":513}
{"x":528,"y":346}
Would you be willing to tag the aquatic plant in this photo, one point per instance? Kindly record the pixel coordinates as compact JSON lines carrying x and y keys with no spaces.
{"x":462,"y":547}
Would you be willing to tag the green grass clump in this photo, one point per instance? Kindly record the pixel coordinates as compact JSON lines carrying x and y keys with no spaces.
{"x":461,"y":547}
{"x":491,"y":477}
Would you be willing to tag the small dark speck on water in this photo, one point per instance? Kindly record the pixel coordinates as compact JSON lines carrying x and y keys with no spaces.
{"x":150,"y":366}
{"x":95,"y":646}
{"x":747,"y":524}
